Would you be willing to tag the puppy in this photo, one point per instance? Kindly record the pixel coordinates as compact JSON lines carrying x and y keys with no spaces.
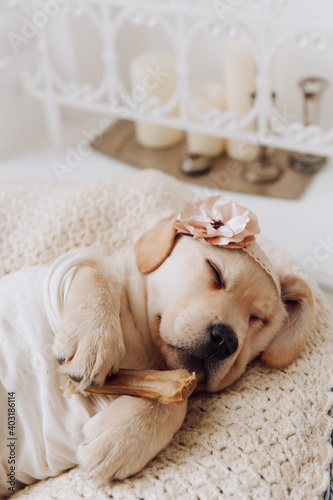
{"x":173,"y":302}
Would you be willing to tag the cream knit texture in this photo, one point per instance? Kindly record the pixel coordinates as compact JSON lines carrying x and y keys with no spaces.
{"x":265,"y":437}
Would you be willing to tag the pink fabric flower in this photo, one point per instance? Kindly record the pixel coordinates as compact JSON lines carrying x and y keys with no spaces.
{"x":219,"y":221}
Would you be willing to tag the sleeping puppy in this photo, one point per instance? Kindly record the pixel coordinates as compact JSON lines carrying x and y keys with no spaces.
{"x":192,"y":305}
{"x":196,"y":293}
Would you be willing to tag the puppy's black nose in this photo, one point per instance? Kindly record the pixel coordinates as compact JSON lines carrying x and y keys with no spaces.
{"x":224,"y":340}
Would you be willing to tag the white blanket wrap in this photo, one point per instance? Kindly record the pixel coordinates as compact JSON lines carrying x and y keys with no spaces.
{"x":48,"y":426}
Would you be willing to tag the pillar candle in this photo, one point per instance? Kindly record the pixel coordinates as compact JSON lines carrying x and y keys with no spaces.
{"x":153,"y":74}
{"x":240,"y":75}
{"x":207,"y":94}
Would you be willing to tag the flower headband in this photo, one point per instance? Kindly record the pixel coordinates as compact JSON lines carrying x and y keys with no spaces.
{"x":222,"y":222}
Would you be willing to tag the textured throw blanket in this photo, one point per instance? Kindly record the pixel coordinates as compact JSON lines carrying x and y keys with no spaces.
{"x":266,"y":437}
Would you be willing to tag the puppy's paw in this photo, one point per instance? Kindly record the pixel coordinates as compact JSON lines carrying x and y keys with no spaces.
{"x":120,"y":440}
{"x":112,"y":446}
{"x":90,"y":343}
{"x":88,"y":356}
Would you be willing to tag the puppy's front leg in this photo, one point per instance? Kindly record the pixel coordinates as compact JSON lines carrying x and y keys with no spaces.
{"x":121,"y":439}
{"x":89,"y":344}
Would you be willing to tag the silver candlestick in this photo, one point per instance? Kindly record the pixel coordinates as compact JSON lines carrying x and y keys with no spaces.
{"x":312,"y":89}
{"x":264,"y":169}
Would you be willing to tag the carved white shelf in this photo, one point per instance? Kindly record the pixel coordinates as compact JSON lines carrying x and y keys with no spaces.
{"x":181,"y":21}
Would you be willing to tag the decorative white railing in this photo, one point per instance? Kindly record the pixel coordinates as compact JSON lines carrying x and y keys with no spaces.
{"x":181,"y":21}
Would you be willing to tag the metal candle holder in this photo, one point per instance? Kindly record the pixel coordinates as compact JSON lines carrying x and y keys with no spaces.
{"x":312,"y":89}
{"x":264,"y":169}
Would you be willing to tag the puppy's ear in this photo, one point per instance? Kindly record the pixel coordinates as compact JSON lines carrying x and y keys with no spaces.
{"x":155,"y":245}
{"x":289,"y":341}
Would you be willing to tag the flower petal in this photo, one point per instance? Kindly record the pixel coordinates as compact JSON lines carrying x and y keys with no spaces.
{"x":219,"y":221}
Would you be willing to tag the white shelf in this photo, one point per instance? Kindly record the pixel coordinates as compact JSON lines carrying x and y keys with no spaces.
{"x":181,"y":21}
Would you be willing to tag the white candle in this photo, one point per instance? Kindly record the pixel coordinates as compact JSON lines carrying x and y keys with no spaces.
{"x":240,"y":75}
{"x":207,"y":94}
{"x":153,"y":75}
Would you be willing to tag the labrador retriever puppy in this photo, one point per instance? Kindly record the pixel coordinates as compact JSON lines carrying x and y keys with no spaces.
{"x":196,"y":292}
{"x":175,"y":302}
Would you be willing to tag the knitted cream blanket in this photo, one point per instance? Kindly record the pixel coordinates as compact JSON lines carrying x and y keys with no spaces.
{"x":266,"y":437}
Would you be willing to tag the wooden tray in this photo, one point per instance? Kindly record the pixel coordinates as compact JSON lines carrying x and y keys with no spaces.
{"x":119,"y":142}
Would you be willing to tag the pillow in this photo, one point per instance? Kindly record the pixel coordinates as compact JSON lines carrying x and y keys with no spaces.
{"x":266,"y":436}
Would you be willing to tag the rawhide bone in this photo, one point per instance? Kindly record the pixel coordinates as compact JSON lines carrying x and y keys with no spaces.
{"x":168,"y":387}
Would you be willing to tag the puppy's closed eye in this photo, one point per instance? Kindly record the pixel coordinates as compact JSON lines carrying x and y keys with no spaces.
{"x":254,"y":319}
{"x":218,"y":278}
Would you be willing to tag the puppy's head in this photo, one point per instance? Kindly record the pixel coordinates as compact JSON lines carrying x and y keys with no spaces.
{"x":212,"y":310}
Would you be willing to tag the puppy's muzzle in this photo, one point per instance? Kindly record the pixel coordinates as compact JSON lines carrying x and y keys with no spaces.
{"x":219,"y":342}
